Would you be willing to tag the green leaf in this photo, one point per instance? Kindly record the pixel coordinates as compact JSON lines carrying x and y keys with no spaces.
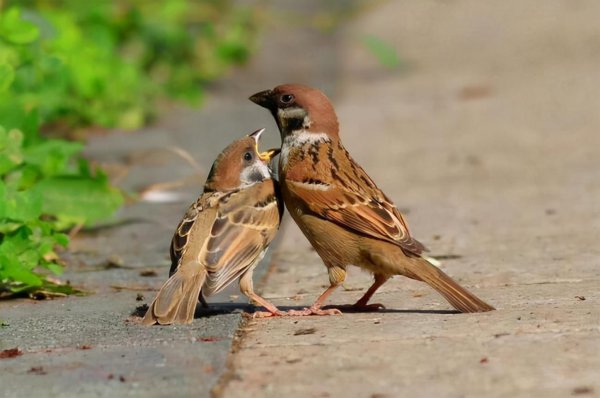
{"x":75,"y":200}
{"x":23,"y":205}
{"x":7,"y":75}
{"x":14,"y":271}
{"x":61,"y":239}
{"x":2,"y":205}
{"x":56,"y":269}
{"x":10,"y":149}
{"x":383,"y":51}
{"x":15,"y":29}
{"x":7,"y":226}
{"x":12,"y":113}
{"x":52,"y":156}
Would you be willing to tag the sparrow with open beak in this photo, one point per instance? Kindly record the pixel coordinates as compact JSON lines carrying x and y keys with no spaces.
{"x":223,"y":235}
{"x":338,"y":207}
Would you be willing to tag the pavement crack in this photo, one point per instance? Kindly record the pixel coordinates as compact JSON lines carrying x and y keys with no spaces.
{"x":218,"y":390}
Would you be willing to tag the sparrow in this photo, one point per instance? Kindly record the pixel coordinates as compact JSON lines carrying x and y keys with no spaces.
{"x":345,"y":216}
{"x":223,"y":235}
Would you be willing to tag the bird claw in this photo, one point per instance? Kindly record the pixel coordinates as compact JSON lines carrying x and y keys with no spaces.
{"x":267,"y":314}
{"x":314,"y":311}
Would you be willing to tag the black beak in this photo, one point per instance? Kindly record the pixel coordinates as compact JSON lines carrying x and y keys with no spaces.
{"x":264,"y":99}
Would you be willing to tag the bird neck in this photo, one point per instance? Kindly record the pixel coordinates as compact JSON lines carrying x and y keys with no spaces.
{"x":299,"y":142}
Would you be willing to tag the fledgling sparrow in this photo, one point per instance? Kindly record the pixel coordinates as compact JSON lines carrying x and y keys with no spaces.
{"x":338,"y":207}
{"x":223,"y":235}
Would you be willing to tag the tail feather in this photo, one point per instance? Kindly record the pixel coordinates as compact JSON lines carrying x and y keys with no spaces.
{"x":176,"y":301}
{"x":460,"y":298}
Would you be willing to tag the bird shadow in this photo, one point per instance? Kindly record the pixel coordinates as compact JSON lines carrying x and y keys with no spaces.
{"x":217,"y":309}
{"x":350,"y":309}
{"x":213,"y":309}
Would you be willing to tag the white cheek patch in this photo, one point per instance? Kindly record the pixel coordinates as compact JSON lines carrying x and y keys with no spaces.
{"x":291,"y":113}
{"x":257,"y":172}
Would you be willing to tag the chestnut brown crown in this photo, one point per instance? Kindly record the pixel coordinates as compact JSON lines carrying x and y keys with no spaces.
{"x":298,"y":107}
{"x":240,"y":164}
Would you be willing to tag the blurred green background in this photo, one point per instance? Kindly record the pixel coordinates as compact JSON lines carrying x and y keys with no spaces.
{"x":70,"y":65}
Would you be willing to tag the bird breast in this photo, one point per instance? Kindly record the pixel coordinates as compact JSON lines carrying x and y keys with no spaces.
{"x":296,"y":141}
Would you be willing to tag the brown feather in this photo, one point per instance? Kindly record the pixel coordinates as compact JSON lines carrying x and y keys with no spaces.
{"x":350,"y":200}
{"x":176,"y":300}
{"x":458,"y":296}
{"x":248,"y":222}
{"x":222,"y":235}
{"x":338,"y":207}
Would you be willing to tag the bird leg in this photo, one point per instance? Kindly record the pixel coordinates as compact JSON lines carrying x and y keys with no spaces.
{"x":361,"y":304}
{"x":247,"y":287}
{"x":315,"y":309}
{"x":337,"y":275}
{"x":271,"y":309}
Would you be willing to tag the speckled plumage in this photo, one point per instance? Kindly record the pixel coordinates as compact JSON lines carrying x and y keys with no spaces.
{"x":222,"y":236}
{"x":338,"y":207}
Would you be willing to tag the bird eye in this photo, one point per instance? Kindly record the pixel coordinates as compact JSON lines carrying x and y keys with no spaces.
{"x":248,"y":156}
{"x":287,"y":98}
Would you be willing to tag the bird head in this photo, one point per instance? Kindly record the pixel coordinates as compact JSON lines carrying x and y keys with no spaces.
{"x":297,"y":107}
{"x":241,"y":164}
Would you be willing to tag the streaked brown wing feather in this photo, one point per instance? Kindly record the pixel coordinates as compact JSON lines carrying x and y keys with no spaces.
{"x":363,"y":208}
{"x":194,"y":223}
{"x":245,"y":224}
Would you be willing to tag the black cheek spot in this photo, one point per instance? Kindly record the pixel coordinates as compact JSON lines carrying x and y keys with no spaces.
{"x":256,"y":176}
{"x":295,"y":123}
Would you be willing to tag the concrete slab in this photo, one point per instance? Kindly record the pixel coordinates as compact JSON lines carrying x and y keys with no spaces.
{"x":488,"y":141}
{"x":91,"y":346}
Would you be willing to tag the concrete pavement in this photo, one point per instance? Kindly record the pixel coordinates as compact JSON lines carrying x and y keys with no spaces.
{"x":487,"y":140}
{"x":92,"y":346}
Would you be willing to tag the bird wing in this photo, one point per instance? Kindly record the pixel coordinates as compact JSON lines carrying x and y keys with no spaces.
{"x":196,"y":222}
{"x":351,"y":199}
{"x":245,"y":223}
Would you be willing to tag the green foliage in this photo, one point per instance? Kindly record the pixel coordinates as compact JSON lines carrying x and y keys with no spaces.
{"x":382,"y":51}
{"x":107,"y":62}
{"x":42,"y":192}
{"x":67,"y":64}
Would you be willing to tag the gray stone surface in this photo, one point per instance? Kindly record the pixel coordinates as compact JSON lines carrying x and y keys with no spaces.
{"x":92,"y":346}
{"x":489,"y":141}
{"x":88,"y":347}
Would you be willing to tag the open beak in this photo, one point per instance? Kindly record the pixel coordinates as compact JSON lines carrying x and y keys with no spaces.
{"x":263,"y":98}
{"x":256,"y":135}
{"x":267,"y":155}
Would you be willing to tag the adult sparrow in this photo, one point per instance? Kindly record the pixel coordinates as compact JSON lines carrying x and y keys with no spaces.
{"x":223,"y":235}
{"x":338,"y":207}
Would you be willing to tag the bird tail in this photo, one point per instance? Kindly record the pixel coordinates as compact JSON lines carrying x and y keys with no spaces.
{"x":176,"y":301}
{"x":460,"y":298}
